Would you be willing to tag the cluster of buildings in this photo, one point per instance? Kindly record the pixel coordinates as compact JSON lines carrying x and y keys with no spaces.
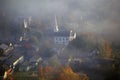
{"x":59,"y":38}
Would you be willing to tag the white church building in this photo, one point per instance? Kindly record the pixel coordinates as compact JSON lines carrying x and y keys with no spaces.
{"x":62,"y":37}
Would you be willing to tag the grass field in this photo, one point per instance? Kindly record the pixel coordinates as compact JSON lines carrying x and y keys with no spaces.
{"x":25,"y":76}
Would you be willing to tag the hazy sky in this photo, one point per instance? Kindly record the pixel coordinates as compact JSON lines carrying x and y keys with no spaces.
{"x":101,"y":16}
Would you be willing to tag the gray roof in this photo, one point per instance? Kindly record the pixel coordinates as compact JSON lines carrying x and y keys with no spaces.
{"x":62,"y":33}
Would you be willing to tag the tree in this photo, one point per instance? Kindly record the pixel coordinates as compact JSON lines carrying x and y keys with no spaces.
{"x":108,"y":49}
{"x":63,"y":73}
{"x":41,"y":72}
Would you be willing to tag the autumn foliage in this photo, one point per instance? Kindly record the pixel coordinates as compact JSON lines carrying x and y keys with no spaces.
{"x":108,"y":49}
{"x":66,"y":73}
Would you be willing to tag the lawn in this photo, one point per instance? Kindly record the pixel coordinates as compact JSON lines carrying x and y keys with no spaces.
{"x":25,"y":76}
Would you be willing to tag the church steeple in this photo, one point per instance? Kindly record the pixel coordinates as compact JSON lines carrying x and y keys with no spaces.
{"x":56,"y":29}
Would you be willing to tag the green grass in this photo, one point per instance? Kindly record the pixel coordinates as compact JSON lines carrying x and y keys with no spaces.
{"x":24,"y":76}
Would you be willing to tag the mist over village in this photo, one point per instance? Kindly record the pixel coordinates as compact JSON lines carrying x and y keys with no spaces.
{"x":59,"y":40}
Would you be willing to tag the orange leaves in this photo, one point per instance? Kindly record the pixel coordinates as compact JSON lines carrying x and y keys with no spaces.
{"x":48,"y":69}
{"x":108,"y":49}
{"x":66,"y":73}
{"x":68,"y":70}
{"x":62,"y":76}
{"x":41,"y":71}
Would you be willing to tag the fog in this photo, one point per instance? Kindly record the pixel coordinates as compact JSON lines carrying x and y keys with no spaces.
{"x":97,"y":16}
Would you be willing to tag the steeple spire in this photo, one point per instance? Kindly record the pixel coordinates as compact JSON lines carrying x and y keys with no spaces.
{"x":25,"y":24}
{"x":56,"y":29}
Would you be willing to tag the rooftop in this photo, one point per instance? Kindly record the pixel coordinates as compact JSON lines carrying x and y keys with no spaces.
{"x":62,"y":33}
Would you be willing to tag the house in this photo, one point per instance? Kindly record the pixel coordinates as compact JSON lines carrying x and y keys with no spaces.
{"x":5,"y":49}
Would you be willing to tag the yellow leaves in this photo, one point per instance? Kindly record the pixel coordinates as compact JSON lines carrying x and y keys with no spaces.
{"x":68,"y":74}
{"x":68,"y":70}
{"x":108,"y":49}
{"x":65,"y":73}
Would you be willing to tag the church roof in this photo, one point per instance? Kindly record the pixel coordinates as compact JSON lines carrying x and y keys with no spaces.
{"x":62,"y":33}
